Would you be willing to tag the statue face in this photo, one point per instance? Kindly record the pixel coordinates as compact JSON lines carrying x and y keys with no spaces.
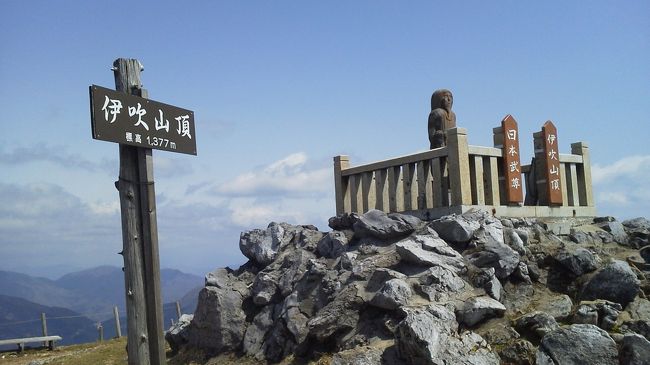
{"x":447,"y":100}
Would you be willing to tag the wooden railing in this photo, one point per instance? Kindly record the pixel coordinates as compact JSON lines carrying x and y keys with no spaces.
{"x":455,"y":179}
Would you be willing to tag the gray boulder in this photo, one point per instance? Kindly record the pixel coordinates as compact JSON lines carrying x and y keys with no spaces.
{"x":558,"y":306}
{"x":333,"y":244}
{"x":176,"y":336}
{"x":491,"y":250}
{"x":219,"y":321}
{"x":378,"y":224}
{"x":428,"y":335}
{"x":578,"y":261}
{"x":497,"y":255}
{"x":479,"y":309}
{"x":262,"y":246}
{"x":615,"y":282}
{"x":429,"y":251}
{"x":600,"y":313}
{"x":309,"y":238}
{"x":638,"y":230}
{"x":253,"y":343}
{"x":343,"y":221}
{"x":514,"y":240}
{"x":534,"y":326}
{"x":518,"y":352}
{"x":292,"y":266}
{"x":338,"y":316}
{"x":615,"y":228}
{"x":264,"y":289}
{"x":393,"y":294}
{"x":485,"y":278}
{"x":634,"y":350}
{"x":637,"y":223}
{"x":455,"y":228}
{"x":639,"y":317}
{"x":381,"y":276}
{"x":578,"y":344}
{"x":295,"y":320}
{"x":438,"y":282}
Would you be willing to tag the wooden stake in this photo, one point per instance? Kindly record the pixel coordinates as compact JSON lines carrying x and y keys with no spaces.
{"x":44,"y":326}
{"x":118,"y":328}
{"x":127,"y":79}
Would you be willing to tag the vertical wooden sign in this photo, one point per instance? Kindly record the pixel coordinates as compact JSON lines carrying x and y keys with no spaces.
{"x":511,"y":161}
{"x":548,"y":165}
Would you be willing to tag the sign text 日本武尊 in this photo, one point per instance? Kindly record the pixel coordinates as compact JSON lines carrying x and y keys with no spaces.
{"x":132,"y":120}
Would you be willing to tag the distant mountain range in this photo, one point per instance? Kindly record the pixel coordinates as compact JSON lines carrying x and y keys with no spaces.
{"x":22,"y":318}
{"x":92,"y":292}
{"x":75,"y":303}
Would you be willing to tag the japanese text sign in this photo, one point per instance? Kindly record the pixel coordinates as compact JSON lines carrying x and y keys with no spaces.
{"x":511,"y":160}
{"x":552,"y":157}
{"x":132,"y":120}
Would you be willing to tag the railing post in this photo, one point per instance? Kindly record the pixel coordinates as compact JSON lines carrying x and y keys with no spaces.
{"x":341,"y":163}
{"x":584,"y":174}
{"x":458,"y":160}
{"x":118,"y":327}
{"x":44,"y":327}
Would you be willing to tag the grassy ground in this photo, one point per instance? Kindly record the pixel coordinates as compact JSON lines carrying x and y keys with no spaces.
{"x":113,"y":352}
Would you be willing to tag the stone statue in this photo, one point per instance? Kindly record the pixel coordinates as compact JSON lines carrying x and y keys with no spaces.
{"x":441,"y":117}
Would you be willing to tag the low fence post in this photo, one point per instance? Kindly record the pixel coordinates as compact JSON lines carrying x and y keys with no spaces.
{"x":340,"y":163}
{"x":584,"y":174}
{"x":118,"y":328}
{"x":458,"y":161}
{"x":44,"y":327}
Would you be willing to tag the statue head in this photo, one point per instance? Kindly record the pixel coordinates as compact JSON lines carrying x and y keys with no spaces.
{"x":442,"y":98}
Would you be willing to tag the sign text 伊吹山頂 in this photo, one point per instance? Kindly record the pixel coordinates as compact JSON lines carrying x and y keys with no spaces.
{"x":132,"y":120}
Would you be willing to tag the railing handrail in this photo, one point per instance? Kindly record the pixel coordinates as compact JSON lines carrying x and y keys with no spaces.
{"x":397,"y":161}
{"x":461,"y":176}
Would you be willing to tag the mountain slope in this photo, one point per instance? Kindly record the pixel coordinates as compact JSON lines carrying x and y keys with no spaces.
{"x":22,"y":318}
{"x":93,"y":292}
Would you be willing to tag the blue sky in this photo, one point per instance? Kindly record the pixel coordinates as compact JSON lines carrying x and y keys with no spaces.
{"x":278,"y":89}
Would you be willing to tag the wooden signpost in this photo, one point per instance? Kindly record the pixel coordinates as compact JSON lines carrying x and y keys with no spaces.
{"x":506,"y":137}
{"x":547,"y":155}
{"x":140,"y":125}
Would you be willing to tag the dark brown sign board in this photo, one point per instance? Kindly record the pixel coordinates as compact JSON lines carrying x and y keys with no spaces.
{"x":511,"y":161}
{"x":132,"y":120}
{"x":552,"y":156}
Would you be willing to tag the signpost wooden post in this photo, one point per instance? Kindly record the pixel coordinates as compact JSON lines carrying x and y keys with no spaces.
{"x":506,"y":137}
{"x":128,"y":117}
{"x":547,"y":155}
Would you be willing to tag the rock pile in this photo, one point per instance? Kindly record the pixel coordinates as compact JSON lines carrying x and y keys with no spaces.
{"x":468,"y":289}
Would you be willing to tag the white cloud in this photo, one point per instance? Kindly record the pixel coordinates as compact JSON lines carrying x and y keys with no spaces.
{"x":612,"y":197}
{"x":252,"y":213}
{"x":291,"y":175}
{"x":627,"y":167}
{"x":102,"y":207}
{"x":622,"y":189}
{"x":43,"y":225}
{"x":57,"y":155}
{"x":171,"y":165}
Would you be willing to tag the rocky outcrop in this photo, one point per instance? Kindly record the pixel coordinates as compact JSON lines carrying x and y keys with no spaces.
{"x":577,"y":344}
{"x":615,"y":282}
{"x":463,"y":289}
{"x":429,"y":335}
